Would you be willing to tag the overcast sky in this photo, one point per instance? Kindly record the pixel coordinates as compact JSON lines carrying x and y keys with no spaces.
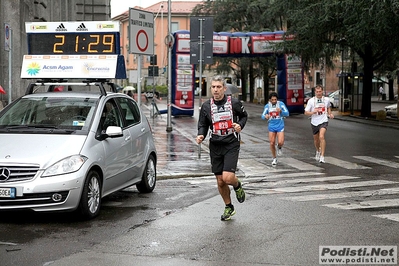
{"x":120,"y":6}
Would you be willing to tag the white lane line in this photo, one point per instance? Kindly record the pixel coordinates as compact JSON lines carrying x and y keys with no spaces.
{"x":252,"y":167}
{"x":277,"y":176}
{"x":247,"y":181}
{"x":300,"y":165}
{"x":322,"y":187}
{"x":344,"y":164}
{"x":364,"y":204}
{"x":393,"y":216}
{"x":351,"y":194}
{"x":301,"y":180}
{"x":378,"y":161}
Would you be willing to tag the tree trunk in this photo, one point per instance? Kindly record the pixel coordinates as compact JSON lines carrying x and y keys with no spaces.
{"x":266,"y":83}
{"x":244,"y":78}
{"x":390,"y":88}
{"x":367,"y":83}
{"x":251,"y":82}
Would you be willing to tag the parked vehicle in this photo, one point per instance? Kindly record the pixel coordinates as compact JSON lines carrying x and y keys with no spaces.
{"x":391,"y":110}
{"x":307,"y":96}
{"x":65,"y":151}
{"x":334,"y":98}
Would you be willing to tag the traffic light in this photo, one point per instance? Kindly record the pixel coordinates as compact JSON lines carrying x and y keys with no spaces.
{"x":153,"y":59}
{"x":153,"y":71}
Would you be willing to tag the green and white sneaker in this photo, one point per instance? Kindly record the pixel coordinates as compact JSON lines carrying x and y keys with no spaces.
{"x":240,"y":194}
{"x":228,"y":212}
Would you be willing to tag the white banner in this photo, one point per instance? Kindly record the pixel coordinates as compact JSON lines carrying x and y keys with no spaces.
{"x":69,"y":66}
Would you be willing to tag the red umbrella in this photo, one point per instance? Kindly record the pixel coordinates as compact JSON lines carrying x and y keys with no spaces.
{"x":2,"y":91}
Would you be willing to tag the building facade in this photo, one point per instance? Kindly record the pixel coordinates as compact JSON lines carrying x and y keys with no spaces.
{"x":180,"y":20}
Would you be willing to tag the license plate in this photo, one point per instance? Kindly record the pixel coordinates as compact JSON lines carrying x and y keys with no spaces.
{"x":7,"y":192}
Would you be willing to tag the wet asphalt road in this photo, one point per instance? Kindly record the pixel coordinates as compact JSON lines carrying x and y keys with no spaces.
{"x":179,"y":223}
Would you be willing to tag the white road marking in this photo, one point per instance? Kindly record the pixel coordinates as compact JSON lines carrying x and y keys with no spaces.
{"x":298,"y":164}
{"x":344,"y":164}
{"x":393,"y":216}
{"x":252,"y":167}
{"x":322,"y":187}
{"x":364,"y":204}
{"x":301,"y":180}
{"x":351,"y":194}
{"x":378,"y":161}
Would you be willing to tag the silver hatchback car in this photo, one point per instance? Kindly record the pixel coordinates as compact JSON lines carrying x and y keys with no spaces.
{"x":66,"y":146}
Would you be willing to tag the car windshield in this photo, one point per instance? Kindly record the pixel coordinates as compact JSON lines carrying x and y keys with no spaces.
{"x":37,"y":113}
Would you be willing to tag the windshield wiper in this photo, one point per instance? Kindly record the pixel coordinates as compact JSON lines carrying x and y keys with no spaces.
{"x":30,"y":126}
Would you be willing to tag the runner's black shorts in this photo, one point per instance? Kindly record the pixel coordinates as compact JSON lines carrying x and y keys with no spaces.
{"x":224,"y":156}
{"x":316,"y":129}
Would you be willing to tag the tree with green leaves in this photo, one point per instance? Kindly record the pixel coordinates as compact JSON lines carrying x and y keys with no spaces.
{"x":322,"y":28}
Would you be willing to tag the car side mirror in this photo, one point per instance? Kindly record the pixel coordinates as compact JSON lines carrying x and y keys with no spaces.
{"x":111,"y":132}
{"x":114,"y":132}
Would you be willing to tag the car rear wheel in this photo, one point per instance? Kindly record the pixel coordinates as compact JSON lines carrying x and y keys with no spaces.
{"x":149,"y":177}
{"x":90,"y":201}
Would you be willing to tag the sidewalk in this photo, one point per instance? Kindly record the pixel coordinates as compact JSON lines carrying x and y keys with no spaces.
{"x":178,"y":153}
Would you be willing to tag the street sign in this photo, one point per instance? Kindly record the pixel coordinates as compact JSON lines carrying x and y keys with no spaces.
{"x":201,"y":32}
{"x":7,"y":36}
{"x":141,"y":32}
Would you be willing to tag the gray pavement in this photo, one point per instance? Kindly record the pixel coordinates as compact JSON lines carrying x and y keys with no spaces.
{"x":178,"y":153}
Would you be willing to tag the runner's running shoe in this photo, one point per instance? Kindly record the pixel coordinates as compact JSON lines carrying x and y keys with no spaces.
{"x":322,"y":159}
{"x":228,"y":212}
{"x":279,"y":151}
{"x":317,"y":157}
{"x":274,"y":162}
{"x":240,"y":194}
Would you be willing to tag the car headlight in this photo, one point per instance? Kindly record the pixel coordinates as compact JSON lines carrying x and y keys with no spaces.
{"x":65,"y":166}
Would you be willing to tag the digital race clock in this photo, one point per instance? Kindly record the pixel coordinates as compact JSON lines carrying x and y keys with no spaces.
{"x":73,"y":49}
{"x":69,"y":38}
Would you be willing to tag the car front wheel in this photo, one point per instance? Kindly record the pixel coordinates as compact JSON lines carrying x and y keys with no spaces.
{"x":90,"y":200}
{"x":149,"y":177}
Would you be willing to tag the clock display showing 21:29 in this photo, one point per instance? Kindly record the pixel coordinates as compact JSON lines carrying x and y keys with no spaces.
{"x":71,"y":43}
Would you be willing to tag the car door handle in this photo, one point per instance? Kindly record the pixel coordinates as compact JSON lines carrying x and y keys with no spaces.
{"x":143,"y":129}
{"x":127,"y":138}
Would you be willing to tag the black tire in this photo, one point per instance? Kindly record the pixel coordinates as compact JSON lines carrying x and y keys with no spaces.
{"x":149,"y":177}
{"x":90,"y":201}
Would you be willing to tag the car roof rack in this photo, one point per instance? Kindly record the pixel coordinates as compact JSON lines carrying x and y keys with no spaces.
{"x":52,"y":83}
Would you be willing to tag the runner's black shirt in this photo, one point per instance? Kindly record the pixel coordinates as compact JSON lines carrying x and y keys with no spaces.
{"x":240,"y":116}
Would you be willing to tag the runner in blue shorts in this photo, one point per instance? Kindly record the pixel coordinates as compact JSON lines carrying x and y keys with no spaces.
{"x":274,"y":112}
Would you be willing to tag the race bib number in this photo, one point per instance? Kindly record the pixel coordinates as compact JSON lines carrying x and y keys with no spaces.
{"x":223,"y":125}
{"x":320,"y":108}
{"x":273,"y":113}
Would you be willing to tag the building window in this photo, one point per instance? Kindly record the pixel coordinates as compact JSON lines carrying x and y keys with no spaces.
{"x":174,"y":26}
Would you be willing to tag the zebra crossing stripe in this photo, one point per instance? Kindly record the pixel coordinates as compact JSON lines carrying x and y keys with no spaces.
{"x":378,"y":161}
{"x":252,"y":167}
{"x":274,"y":176}
{"x":364,"y":204}
{"x":322,"y":187}
{"x":344,"y":164}
{"x":248,"y":181}
{"x":351,"y":194}
{"x":301,"y":180}
{"x":393,"y":216}
{"x":299,"y":164}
